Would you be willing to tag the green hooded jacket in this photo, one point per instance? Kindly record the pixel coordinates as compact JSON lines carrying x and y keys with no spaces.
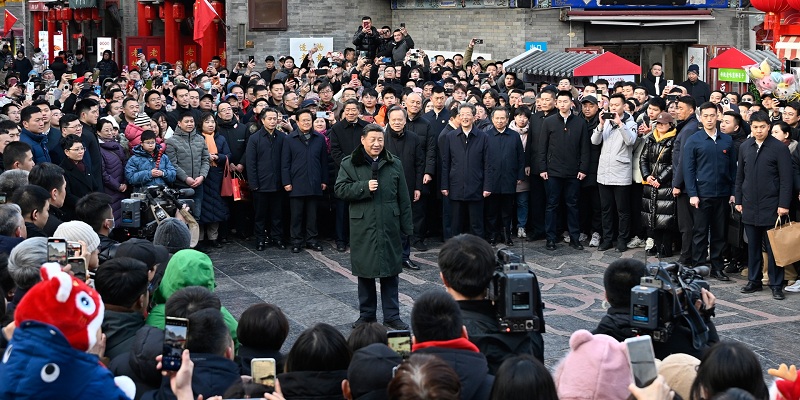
{"x":187,"y":268}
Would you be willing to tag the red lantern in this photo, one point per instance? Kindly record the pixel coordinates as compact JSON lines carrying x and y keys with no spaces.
{"x":96,"y":15}
{"x":219,"y":7}
{"x":149,"y":13}
{"x":161,"y":12}
{"x":794,"y":4}
{"x":52,"y":15}
{"x":770,"y":6}
{"x":178,"y":12}
{"x":66,"y":14}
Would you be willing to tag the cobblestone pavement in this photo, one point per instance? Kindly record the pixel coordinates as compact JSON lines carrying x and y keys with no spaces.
{"x":314,"y":287}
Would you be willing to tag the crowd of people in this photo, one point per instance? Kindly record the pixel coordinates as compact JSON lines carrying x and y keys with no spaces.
{"x":378,"y":147}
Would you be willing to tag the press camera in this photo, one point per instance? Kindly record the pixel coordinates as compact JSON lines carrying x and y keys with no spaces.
{"x":143,"y":211}
{"x":516,"y":295}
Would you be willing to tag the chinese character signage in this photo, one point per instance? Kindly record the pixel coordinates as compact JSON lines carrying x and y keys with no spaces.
{"x":299,"y":47}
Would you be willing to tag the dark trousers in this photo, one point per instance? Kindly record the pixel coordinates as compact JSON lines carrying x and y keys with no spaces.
{"x":242,"y":214}
{"x":537,"y":206}
{"x":368,"y":298}
{"x":198,"y":202}
{"x":303,"y":208}
{"x":591,"y":211}
{"x":268,"y":214}
{"x":756,"y":236}
{"x":469,"y":213}
{"x":499,"y":207}
{"x":569,"y":188}
{"x":616,"y":199}
{"x":637,"y":226}
{"x":447,"y":217}
{"x":685,"y":226}
{"x":663,"y":241}
{"x":418,"y":217}
{"x":709,"y":229}
{"x":342,"y":222}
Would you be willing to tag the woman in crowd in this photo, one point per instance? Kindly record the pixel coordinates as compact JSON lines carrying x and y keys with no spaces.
{"x":424,"y":376}
{"x":164,"y":131}
{"x":729,"y":365}
{"x":316,"y":365}
{"x":215,"y":210}
{"x":76,"y":173}
{"x":658,"y":203}
{"x":783,"y":132}
{"x":114,"y":183}
{"x":523,"y":377}
{"x":520,"y":125}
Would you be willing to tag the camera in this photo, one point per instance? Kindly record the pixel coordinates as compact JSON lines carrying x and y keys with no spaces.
{"x":478,"y":41}
{"x":515,"y":292}
{"x":143,"y":211}
{"x":666,"y":297}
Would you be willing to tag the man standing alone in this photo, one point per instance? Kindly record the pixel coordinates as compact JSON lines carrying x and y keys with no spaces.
{"x":372,"y":180}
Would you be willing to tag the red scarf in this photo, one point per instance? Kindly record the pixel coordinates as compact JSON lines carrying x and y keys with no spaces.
{"x":456,"y":344}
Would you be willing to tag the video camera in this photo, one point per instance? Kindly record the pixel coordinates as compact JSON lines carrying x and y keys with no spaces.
{"x":515,"y":292}
{"x":666,"y":297}
{"x":143,"y":211}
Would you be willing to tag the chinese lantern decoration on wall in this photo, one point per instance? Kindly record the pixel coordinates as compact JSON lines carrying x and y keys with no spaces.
{"x":178,"y":12}
{"x":219,"y":7}
{"x":149,"y":14}
{"x":66,"y":14}
{"x":52,"y":15}
{"x":772,"y":19}
{"x":161,"y":13}
{"x":96,"y":15}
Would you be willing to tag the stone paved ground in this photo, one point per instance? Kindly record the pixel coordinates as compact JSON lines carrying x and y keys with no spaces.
{"x":314,"y":287}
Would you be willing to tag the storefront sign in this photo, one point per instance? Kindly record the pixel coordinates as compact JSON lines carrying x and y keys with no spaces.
{"x":299,"y":47}
{"x":42,"y":7}
{"x":44,"y":43}
{"x":732,"y":75}
{"x":58,"y":43}
{"x":585,"y":50}
{"x":612,"y":79}
{"x":542,"y":46}
{"x":82,"y":3}
{"x":103,"y":44}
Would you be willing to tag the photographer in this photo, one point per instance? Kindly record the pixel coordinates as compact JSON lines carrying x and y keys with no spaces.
{"x":467,"y":264}
{"x":622,"y":275}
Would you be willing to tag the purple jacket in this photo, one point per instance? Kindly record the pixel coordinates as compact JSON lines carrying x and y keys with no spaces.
{"x":113,"y":173}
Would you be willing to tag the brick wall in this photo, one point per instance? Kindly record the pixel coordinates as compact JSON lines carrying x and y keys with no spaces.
{"x":725,"y":29}
{"x":305,"y":19}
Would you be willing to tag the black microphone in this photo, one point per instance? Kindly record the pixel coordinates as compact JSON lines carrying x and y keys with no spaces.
{"x":702,"y":270}
{"x":375,"y":170}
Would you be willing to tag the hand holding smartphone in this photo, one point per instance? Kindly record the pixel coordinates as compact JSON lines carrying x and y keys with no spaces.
{"x":175,"y":332}
{"x":57,"y":250}
{"x":263,"y":371}
{"x":400,"y":342}
{"x":642,"y":360}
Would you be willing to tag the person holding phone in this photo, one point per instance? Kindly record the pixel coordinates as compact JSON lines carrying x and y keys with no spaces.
{"x":108,"y":68}
{"x":366,"y":37}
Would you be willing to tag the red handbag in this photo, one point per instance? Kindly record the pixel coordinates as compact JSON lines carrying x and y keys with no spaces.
{"x":227,"y":181}
{"x":241,"y":190}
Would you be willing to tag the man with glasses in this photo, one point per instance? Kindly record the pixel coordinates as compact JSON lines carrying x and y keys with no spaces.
{"x":709,"y":168}
{"x":791,"y":115}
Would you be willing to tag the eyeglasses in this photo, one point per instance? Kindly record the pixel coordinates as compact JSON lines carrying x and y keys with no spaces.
{"x":149,"y":142}
{"x":326,"y":91}
{"x":78,"y":150}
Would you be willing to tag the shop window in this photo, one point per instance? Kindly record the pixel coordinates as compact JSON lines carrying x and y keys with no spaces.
{"x":267,"y":15}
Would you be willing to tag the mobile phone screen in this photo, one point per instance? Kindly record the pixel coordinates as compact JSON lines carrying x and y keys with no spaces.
{"x":263,"y":371}
{"x":174,"y":343}
{"x":57,"y":250}
{"x":642,"y":360}
{"x":400,"y":342}
{"x":322,"y":114}
{"x":78,"y":267}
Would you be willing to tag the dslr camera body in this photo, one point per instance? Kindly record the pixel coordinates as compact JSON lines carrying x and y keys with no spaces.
{"x":666,"y":297}
{"x":143,"y":211}
{"x":515,"y":292}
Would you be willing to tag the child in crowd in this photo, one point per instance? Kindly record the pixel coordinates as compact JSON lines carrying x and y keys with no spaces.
{"x":149,"y":165}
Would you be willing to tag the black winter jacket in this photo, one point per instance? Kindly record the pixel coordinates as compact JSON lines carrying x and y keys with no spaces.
{"x":564,"y":148}
{"x":422,"y":127}
{"x":345,"y":137}
{"x":407,"y":146}
{"x":304,"y":165}
{"x":658,"y":205}
{"x":508,"y":157}
{"x":534,"y":140}
{"x":685,"y":130}
{"x":235,"y":133}
{"x":212,"y":376}
{"x":466,"y":167}
{"x":312,"y":385}
{"x":472,"y":370}
{"x":264,"y":161}
{"x":764,"y":180}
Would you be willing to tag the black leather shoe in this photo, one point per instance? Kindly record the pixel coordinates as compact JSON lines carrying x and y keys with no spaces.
{"x":720,"y":276}
{"x":261,"y":246}
{"x":575,"y":245}
{"x":777,"y":294}
{"x":223,"y":240}
{"x":216,"y":244}
{"x":509,"y":242}
{"x":341,"y":247}
{"x":362,"y":321}
{"x":279,"y":244}
{"x":551,"y":245}
{"x":419,"y":245}
{"x":295,"y":249}
{"x":604,"y":246}
{"x":314,"y":246}
{"x":752,"y":287}
{"x":396,"y":325}
{"x":410,"y":265}
{"x":734,"y":267}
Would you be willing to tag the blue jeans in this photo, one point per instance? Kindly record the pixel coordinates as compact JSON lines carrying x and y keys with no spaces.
{"x":522,"y":209}
{"x":569,"y":188}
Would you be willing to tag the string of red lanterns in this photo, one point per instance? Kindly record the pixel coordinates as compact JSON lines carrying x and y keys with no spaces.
{"x":79,"y":14}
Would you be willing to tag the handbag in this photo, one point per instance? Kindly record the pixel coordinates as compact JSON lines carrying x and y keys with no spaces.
{"x":241,"y":190}
{"x":735,"y":235}
{"x":784,"y":239}
{"x":227,"y":181}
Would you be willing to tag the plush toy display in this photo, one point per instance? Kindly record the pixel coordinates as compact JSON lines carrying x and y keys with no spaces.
{"x":57,"y":322}
{"x":786,"y":387}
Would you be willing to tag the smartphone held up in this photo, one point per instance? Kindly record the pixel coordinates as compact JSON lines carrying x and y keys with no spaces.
{"x":175,"y":332}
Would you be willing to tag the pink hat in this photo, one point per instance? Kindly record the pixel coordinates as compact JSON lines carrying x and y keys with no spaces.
{"x":596,"y":368}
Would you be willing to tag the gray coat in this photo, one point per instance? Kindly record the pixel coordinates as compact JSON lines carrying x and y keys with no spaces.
{"x":616,"y":155}
{"x":189,"y":154}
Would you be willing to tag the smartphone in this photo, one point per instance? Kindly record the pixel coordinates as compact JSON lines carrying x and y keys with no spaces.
{"x":478,"y":41}
{"x":78,"y":267}
{"x":353,"y":77}
{"x":124,"y":69}
{"x":609,"y":116}
{"x":402,"y":24}
{"x":242,"y":64}
{"x":642,"y":360}
{"x":174,"y":343}
{"x":483,"y":75}
{"x":670,"y":82}
{"x":322,"y":114}
{"x":139,"y":51}
{"x":321,"y":71}
{"x":386,"y":60}
{"x":400,"y":342}
{"x":263,"y":371}
{"x":74,"y":248}
{"x":362,"y":54}
{"x":210,"y":64}
{"x":528,"y":100}
{"x":251,"y":58}
{"x":57,"y":250}
{"x":672,"y":97}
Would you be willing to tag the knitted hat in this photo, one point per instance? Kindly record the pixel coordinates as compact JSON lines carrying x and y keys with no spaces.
{"x":79,"y":230}
{"x":679,"y":370}
{"x":111,"y":119}
{"x":694,"y":68}
{"x":173,"y":234}
{"x":142,"y":120}
{"x":370,"y":371}
{"x":596,"y":368}
{"x":66,"y":303}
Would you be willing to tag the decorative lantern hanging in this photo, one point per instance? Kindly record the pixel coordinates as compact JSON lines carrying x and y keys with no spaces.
{"x":178,"y":12}
{"x":96,"y":15}
{"x":52,"y":15}
{"x":149,"y":13}
{"x":794,"y":4}
{"x":772,"y":8}
{"x":66,"y":14}
{"x":219,"y":7}
{"x":161,"y":13}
